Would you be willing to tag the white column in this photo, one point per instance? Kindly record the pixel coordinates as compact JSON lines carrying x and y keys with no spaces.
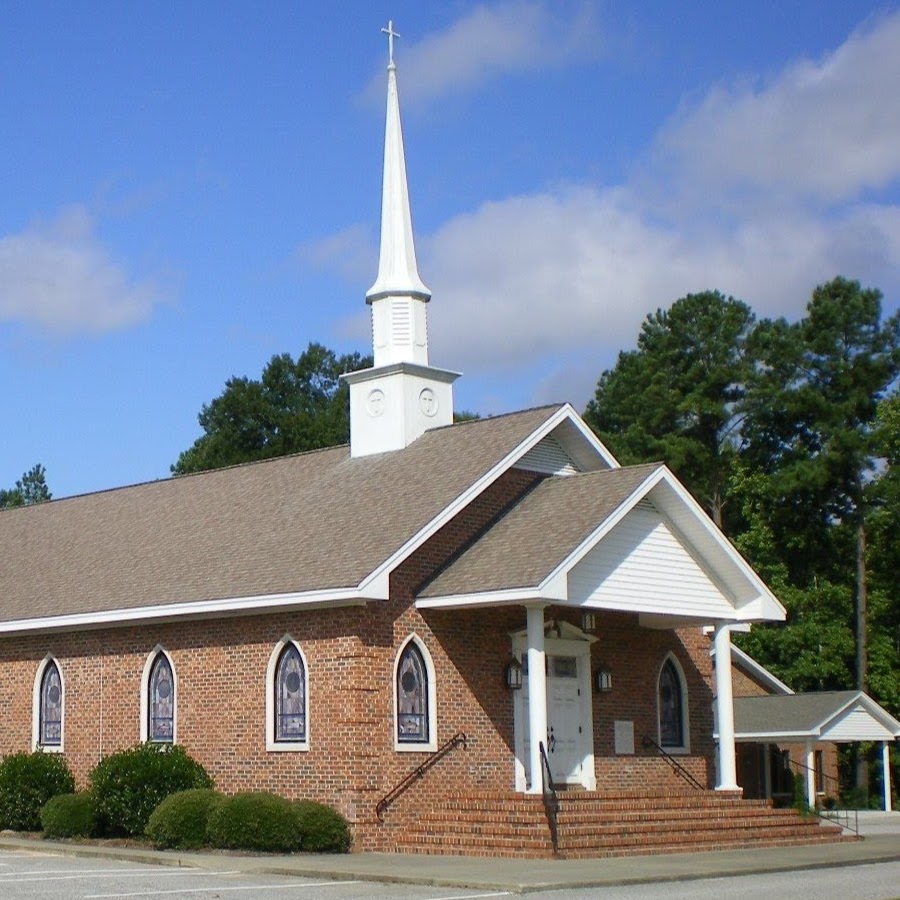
{"x":767,"y":771}
{"x":810,"y":775}
{"x":886,"y":773}
{"x":537,"y":694}
{"x":727,"y":768}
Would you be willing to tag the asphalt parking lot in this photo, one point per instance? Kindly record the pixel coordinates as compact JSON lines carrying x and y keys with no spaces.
{"x":28,"y":876}
{"x":32,"y":875}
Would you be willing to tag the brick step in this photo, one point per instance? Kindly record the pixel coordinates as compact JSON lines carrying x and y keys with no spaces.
{"x":719,"y":817}
{"x":679,"y":843}
{"x":602,"y":816}
{"x":617,"y":834}
{"x":749,"y":834}
{"x":517,"y":802}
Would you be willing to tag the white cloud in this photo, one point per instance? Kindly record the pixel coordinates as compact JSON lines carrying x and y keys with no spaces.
{"x":762,"y":193}
{"x":519,"y":35}
{"x":823,"y":129}
{"x":59,"y":276}
{"x":350,"y":252}
{"x":551,"y":274}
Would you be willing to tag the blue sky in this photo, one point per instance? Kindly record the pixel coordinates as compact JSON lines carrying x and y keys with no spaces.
{"x":185,"y":195}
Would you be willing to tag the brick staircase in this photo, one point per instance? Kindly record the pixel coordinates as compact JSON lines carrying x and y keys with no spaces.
{"x":593,"y":825}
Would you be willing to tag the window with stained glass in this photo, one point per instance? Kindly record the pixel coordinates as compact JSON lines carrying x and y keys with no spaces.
{"x":412,"y":696}
{"x":161,"y":705}
{"x":671,"y":707}
{"x":290,"y":696}
{"x":50,"y":734}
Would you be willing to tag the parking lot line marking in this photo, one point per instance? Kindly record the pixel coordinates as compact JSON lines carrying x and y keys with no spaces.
{"x":220,"y":889}
{"x":473,"y":896}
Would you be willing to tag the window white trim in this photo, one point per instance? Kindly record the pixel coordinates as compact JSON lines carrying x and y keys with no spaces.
{"x":36,"y":708}
{"x":430,"y":745}
{"x":271,"y":672}
{"x":145,"y":694}
{"x":685,"y":707}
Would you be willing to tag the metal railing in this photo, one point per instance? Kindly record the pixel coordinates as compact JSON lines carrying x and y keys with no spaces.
{"x":837,"y":815}
{"x":677,"y":767}
{"x":551,"y":798}
{"x":458,"y":740}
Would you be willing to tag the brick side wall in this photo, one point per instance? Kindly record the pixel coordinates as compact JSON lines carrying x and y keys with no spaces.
{"x":220,"y":666}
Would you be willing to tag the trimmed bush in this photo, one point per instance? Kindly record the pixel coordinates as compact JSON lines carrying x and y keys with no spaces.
{"x":322,"y":829}
{"x":255,"y":821}
{"x":181,"y":820}
{"x":68,"y":815}
{"x":27,"y":782}
{"x":129,"y":785}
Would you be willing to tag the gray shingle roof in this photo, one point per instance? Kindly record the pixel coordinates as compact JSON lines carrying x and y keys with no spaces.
{"x":525,"y":545}
{"x":313,"y":521}
{"x":788,"y":713}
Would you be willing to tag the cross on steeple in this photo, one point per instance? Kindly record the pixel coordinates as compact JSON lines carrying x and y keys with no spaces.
{"x":389,"y":31}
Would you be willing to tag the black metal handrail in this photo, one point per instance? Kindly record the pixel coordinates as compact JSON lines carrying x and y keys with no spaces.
{"x":676,"y":766}
{"x":837,"y":814}
{"x":796,"y":764}
{"x":458,"y":740}
{"x":551,"y":798}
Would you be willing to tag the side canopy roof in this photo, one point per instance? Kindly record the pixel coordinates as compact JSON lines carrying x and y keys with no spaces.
{"x":630,"y":539}
{"x":317,"y":527}
{"x":839,"y":716}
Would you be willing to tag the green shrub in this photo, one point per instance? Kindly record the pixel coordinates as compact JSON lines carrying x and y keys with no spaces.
{"x":181,"y":820}
{"x":322,"y":829}
{"x":27,"y":782}
{"x":129,"y":785}
{"x":255,"y":821}
{"x":68,"y":815}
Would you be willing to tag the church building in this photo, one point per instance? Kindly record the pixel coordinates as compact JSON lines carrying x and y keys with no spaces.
{"x":486,"y":637}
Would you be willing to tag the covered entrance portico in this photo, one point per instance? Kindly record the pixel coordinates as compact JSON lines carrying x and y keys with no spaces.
{"x":631,"y":542}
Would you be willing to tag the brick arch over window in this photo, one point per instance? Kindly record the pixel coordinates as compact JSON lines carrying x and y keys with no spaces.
{"x":159,"y":699}
{"x":672,"y":706}
{"x":48,"y":707}
{"x":287,"y":698}
{"x":415,"y":698}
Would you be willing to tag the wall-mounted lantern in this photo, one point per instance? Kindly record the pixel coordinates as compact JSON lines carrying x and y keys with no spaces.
{"x":603,"y":679}
{"x":588,"y":621}
{"x":514,"y":674}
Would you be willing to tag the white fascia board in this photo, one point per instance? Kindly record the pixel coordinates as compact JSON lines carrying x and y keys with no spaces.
{"x":198,"y":609}
{"x":563,"y":568}
{"x":588,"y":434}
{"x":666,"y":622}
{"x":769,"y":607}
{"x":566,"y":411}
{"x":771,"y":737}
{"x":757,"y":670}
{"x":488,"y":598}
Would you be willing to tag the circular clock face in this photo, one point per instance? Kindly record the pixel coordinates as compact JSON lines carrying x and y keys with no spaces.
{"x":375,"y":402}
{"x":428,"y":402}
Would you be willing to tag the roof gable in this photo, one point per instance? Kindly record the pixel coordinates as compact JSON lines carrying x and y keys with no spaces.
{"x":563,"y":543}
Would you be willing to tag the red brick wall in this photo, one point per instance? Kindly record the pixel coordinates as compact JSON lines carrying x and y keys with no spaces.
{"x":220,"y":666}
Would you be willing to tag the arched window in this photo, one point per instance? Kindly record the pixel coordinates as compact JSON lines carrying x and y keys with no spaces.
{"x":672,"y":700}
{"x":287,"y":698}
{"x":414,"y":698}
{"x":48,"y":707}
{"x":290,"y":696}
{"x":161,"y":701}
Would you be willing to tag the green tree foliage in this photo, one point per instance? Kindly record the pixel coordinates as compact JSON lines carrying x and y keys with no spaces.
{"x":785,"y":428}
{"x":295,"y":405}
{"x":678,"y":397}
{"x":30,"y":488}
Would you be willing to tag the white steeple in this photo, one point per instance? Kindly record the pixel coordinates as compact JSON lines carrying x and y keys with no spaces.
{"x":401,"y":397}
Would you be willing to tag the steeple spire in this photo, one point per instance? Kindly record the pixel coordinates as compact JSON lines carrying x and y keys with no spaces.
{"x":398,"y":273}
{"x":401,"y":396}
